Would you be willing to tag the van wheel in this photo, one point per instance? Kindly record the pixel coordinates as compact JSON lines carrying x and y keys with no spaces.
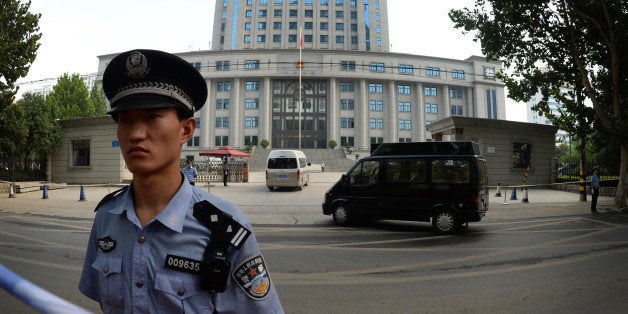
{"x":271,"y":188}
{"x":342,"y":214}
{"x":445,"y":222}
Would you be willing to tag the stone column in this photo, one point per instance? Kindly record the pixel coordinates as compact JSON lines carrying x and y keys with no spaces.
{"x":362,"y":115}
{"x":418,"y":119}
{"x":265,"y":108}
{"x":333,"y":111}
{"x":391,"y":116}
{"x":206,"y":118}
{"x":236,"y":122}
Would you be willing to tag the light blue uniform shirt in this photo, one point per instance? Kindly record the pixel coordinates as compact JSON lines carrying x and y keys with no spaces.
{"x":190,"y":173}
{"x":595,"y":181}
{"x":125,"y":271}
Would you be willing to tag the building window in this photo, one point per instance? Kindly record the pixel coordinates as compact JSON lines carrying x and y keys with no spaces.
{"x":430,"y":91}
{"x":194,"y":142}
{"x":455,"y":93}
{"x":521,"y":155}
{"x":278,"y":13}
{"x":222,"y":122}
{"x":223,"y":86}
{"x":431,"y":108}
{"x":347,"y":123}
{"x":251,"y":122}
{"x":222,"y":104}
{"x":222,"y":65}
{"x":247,"y":26}
{"x":307,"y":38}
{"x":262,"y":13}
{"x":339,"y":2}
{"x":251,"y":103}
{"x":294,"y":13}
{"x":324,"y":13}
{"x":277,"y":25}
{"x":261,"y":25}
{"x":324,"y":2}
{"x":456,"y":110}
{"x":404,"y":125}
{"x":252,"y":85}
{"x":406,"y":69}
{"x":251,"y":64}
{"x":247,"y":13}
{"x":347,"y":86}
{"x":308,"y":2}
{"x":251,"y":140}
{"x":377,"y":67}
{"x":309,"y":13}
{"x":340,"y":39}
{"x":347,"y":65}
{"x":432,"y":71}
{"x":261,"y":38}
{"x":81,"y":153}
{"x":457,"y":74}
{"x":376,"y":88}
{"x":347,"y":104}
{"x":344,"y":140}
{"x":324,"y":25}
{"x":340,"y":14}
{"x":324,"y":39}
{"x":221,"y":140}
{"x":198,"y":123}
{"x":292,"y":25}
{"x":376,"y":123}
{"x":292,"y":38}
{"x":404,"y":89}
{"x":340,"y":26}
{"x":247,"y":39}
{"x":404,"y":106}
{"x":376,"y":105}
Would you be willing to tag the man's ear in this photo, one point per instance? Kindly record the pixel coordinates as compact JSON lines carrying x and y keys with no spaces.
{"x":188,"y":126}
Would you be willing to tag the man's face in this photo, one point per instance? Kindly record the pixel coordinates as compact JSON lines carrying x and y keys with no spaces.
{"x":151,"y":139}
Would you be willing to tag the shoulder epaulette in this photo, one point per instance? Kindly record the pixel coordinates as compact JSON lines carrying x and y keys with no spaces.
{"x":226,"y":230}
{"x":110,"y":196}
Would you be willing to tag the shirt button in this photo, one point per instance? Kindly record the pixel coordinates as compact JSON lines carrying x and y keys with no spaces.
{"x":139,"y":284}
{"x":105,"y":270}
{"x":141,"y":240}
{"x":180,"y":293}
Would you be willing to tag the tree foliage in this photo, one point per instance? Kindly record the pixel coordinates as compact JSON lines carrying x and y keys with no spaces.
{"x":19,"y":41}
{"x":97,"y":98}
{"x":547,"y":44}
{"x":30,"y":129}
{"x":70,"y":98}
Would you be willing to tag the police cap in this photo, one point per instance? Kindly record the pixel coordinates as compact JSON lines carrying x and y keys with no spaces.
{"x":144,"y":78}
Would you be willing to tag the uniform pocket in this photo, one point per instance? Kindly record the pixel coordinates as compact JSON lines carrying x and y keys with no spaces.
{"x":111,"y":284}
{"x":178,"y":292}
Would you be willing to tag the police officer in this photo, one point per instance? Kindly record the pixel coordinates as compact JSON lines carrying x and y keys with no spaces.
{"x":162,"y":245}
{"x":190,"y":172}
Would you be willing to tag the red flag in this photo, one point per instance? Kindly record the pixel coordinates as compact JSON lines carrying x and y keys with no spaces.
{"x":301,"y":44}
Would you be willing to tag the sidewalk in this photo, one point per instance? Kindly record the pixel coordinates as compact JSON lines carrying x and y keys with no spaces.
{"x":303,"y":207}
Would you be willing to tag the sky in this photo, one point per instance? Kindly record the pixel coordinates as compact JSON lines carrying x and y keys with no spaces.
{"x":76,"y":32}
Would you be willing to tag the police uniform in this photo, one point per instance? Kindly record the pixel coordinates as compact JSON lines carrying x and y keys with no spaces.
{"x":199,"y":254}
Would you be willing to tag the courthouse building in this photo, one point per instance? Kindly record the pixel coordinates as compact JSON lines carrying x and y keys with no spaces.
{"x":353,"y":89}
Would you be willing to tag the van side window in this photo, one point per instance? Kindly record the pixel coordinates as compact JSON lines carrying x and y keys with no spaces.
{"x":451,"y":171}
{"x":302,"y":163}
{"x":366,"y":173}
{"x":405,"y":170}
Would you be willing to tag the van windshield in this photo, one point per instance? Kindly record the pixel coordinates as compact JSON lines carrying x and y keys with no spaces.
{"x":282,"y":163}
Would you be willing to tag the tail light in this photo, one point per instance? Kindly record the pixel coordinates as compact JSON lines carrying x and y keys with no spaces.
{"x":266,"y":174}
{"x":298,"y":175}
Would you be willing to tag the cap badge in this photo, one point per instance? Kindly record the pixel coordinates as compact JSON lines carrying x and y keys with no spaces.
{"x":136,"y":65}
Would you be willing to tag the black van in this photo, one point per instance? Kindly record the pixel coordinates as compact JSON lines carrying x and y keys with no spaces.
{"x":446,"y":182}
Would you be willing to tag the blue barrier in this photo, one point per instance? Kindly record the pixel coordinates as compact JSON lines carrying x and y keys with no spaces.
{"x":35,"y":296}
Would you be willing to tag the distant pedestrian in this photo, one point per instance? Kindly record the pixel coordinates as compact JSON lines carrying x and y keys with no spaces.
{"x":190,"y":172}
{"x":323,"y":166}
{"x":225,"y":171}
{"x":595,"y":189}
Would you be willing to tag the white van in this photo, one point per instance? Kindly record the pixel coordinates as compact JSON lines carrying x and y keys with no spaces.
{"x":287,"y":168}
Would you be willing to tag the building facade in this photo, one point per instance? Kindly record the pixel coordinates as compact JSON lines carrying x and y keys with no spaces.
{"x":351,"y":97}
{"x":360,"y":25}
{"x":350,"y":89}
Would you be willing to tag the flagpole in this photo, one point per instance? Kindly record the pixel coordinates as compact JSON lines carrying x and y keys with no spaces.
{"x":300,"y":89}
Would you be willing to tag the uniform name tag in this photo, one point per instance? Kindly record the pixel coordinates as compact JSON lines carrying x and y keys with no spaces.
{"x":184,"y":264}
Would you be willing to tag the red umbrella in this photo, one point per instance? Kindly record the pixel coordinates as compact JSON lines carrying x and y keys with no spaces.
{"x":226,"y":151}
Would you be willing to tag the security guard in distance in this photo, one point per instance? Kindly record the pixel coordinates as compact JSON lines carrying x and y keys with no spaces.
{"x":161,"y":245}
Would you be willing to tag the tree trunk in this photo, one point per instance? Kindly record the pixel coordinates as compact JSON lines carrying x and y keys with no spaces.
{"x":622,"y":184}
